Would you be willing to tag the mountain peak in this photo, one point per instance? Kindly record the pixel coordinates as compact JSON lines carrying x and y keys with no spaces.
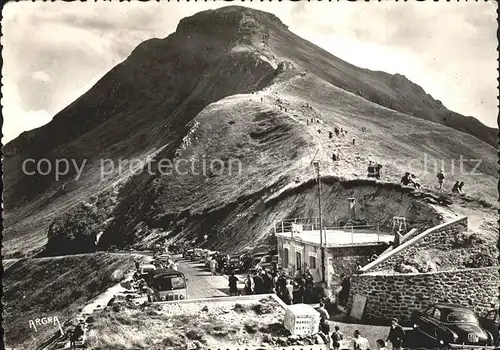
{"x":227,"y":18}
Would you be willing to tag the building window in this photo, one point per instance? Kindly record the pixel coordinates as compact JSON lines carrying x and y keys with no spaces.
{"x":312,"y":262}
{"x":285,"y":257}
{"x":298,"y":262}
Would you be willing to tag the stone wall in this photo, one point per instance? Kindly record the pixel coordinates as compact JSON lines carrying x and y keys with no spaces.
{"x":345,"y":260}
{"x":441,"y":236}
{"x":398,"y":295}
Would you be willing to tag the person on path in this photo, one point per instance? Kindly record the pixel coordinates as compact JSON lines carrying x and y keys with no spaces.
{"x":353,"y":141}
{"x":75,"y":335}
{"x":460,"y":188}
{"x":324,"y":332}
{"x":323,"y":314}
{"x":259,"y":284}
{"x":233,"y":285}
{"x":301,"y":292}
{"x":396,"y":335}
{"x":360,"y":343}
{"x":337,"y":131}
{"x":440,"y":177}
{"x":344,"y":292}
{"x":249,"y":285}
{"x":337,"y":337}
{"x":213,"y":267}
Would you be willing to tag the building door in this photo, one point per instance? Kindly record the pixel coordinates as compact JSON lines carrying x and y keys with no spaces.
{"x":298,"y":260}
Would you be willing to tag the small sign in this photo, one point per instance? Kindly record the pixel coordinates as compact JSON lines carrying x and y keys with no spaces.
{"x":301,"y":319}
{"x":358,"y":306}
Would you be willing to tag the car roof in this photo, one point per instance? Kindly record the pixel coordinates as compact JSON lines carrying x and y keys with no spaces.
{"x":147,"y":266}
{"x":451,"y":307}
{"x":170,"y":272}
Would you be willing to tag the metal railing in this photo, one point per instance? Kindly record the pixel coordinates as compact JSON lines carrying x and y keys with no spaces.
{"x":286,"y":226}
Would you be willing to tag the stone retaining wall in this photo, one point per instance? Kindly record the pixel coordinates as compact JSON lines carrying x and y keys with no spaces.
{"x":441,"y":236}
{"x":398,"y":295}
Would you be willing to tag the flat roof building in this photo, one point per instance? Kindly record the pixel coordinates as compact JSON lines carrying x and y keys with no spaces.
{"x":299,"y":247}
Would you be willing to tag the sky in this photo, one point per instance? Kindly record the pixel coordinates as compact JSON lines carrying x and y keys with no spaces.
{"x":55,"y":52}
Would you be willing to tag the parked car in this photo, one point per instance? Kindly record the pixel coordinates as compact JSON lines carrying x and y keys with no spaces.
{"x":222,"y":262}
{"x":144,"y":270}
{"x":208,"y":257}
{"x":491,"y":322}
{"x":187,"y":253}
{"x":269,"y":262}
{"x":203,"y":255}
{"x":451,"y":325}
{"x":245,"y":262}
{"x":196,"y":254}
{"x":257,"y":258}
{"x":233,"y":263}
{"x":167,"y":285}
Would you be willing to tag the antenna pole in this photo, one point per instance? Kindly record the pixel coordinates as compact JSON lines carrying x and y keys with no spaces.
{"x":316,"y":166}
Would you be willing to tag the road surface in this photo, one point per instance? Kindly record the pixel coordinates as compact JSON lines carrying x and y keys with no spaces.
{"x":199,"y":282}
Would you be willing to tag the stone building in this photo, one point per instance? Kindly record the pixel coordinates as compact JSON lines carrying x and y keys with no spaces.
{"x":390,"y":294}
{"x":299,"y":247}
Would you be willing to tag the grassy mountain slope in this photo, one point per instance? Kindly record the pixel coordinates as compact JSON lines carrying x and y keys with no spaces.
{"x":36,"y":288}
{"x":189,"y":96}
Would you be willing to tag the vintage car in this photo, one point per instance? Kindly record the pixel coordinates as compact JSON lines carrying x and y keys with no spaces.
{"x":196,"y":256}
{"x":167,"y":285}
{"x":208,"y":257}
{"x":144,"y":270}
{"x":233,"y":263}
{"x":187,"y":253}
{"x":491,"y":322}
{"x":452,"y":325}
{"x":269,"y":262}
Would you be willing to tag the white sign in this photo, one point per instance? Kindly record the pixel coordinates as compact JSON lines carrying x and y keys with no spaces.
{"x":296,"y":228}
{"x":358,"y":306}
{"x":301,"y":319}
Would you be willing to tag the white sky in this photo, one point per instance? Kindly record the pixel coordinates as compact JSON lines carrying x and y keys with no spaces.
{"x":54,"y":52}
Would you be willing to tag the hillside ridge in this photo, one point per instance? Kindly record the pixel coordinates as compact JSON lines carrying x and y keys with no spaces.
{"x":244,"y":82}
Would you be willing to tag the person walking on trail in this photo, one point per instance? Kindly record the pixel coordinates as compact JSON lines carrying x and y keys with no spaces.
{"x":233,"y":285}
{"x":213,"y":267}
{"x":454,"y":189}
{"x":353,"y":141}
{"x":360,"y":343}
{"x":461,"y":188}
{"x":337,"y":337}
{"x":249,"y":285}
{"x":396,"y":335}
{"x":337,"y":131}
{"x":440,"y":176}
{"x":75,"y":335}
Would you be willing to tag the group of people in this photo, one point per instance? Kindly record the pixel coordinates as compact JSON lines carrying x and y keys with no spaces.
{"x":410,"y":180}
{"x":291,"y":290}
{"x":458,"y":187}
{"x":335,"y":339}
{"x":340,"y":132}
